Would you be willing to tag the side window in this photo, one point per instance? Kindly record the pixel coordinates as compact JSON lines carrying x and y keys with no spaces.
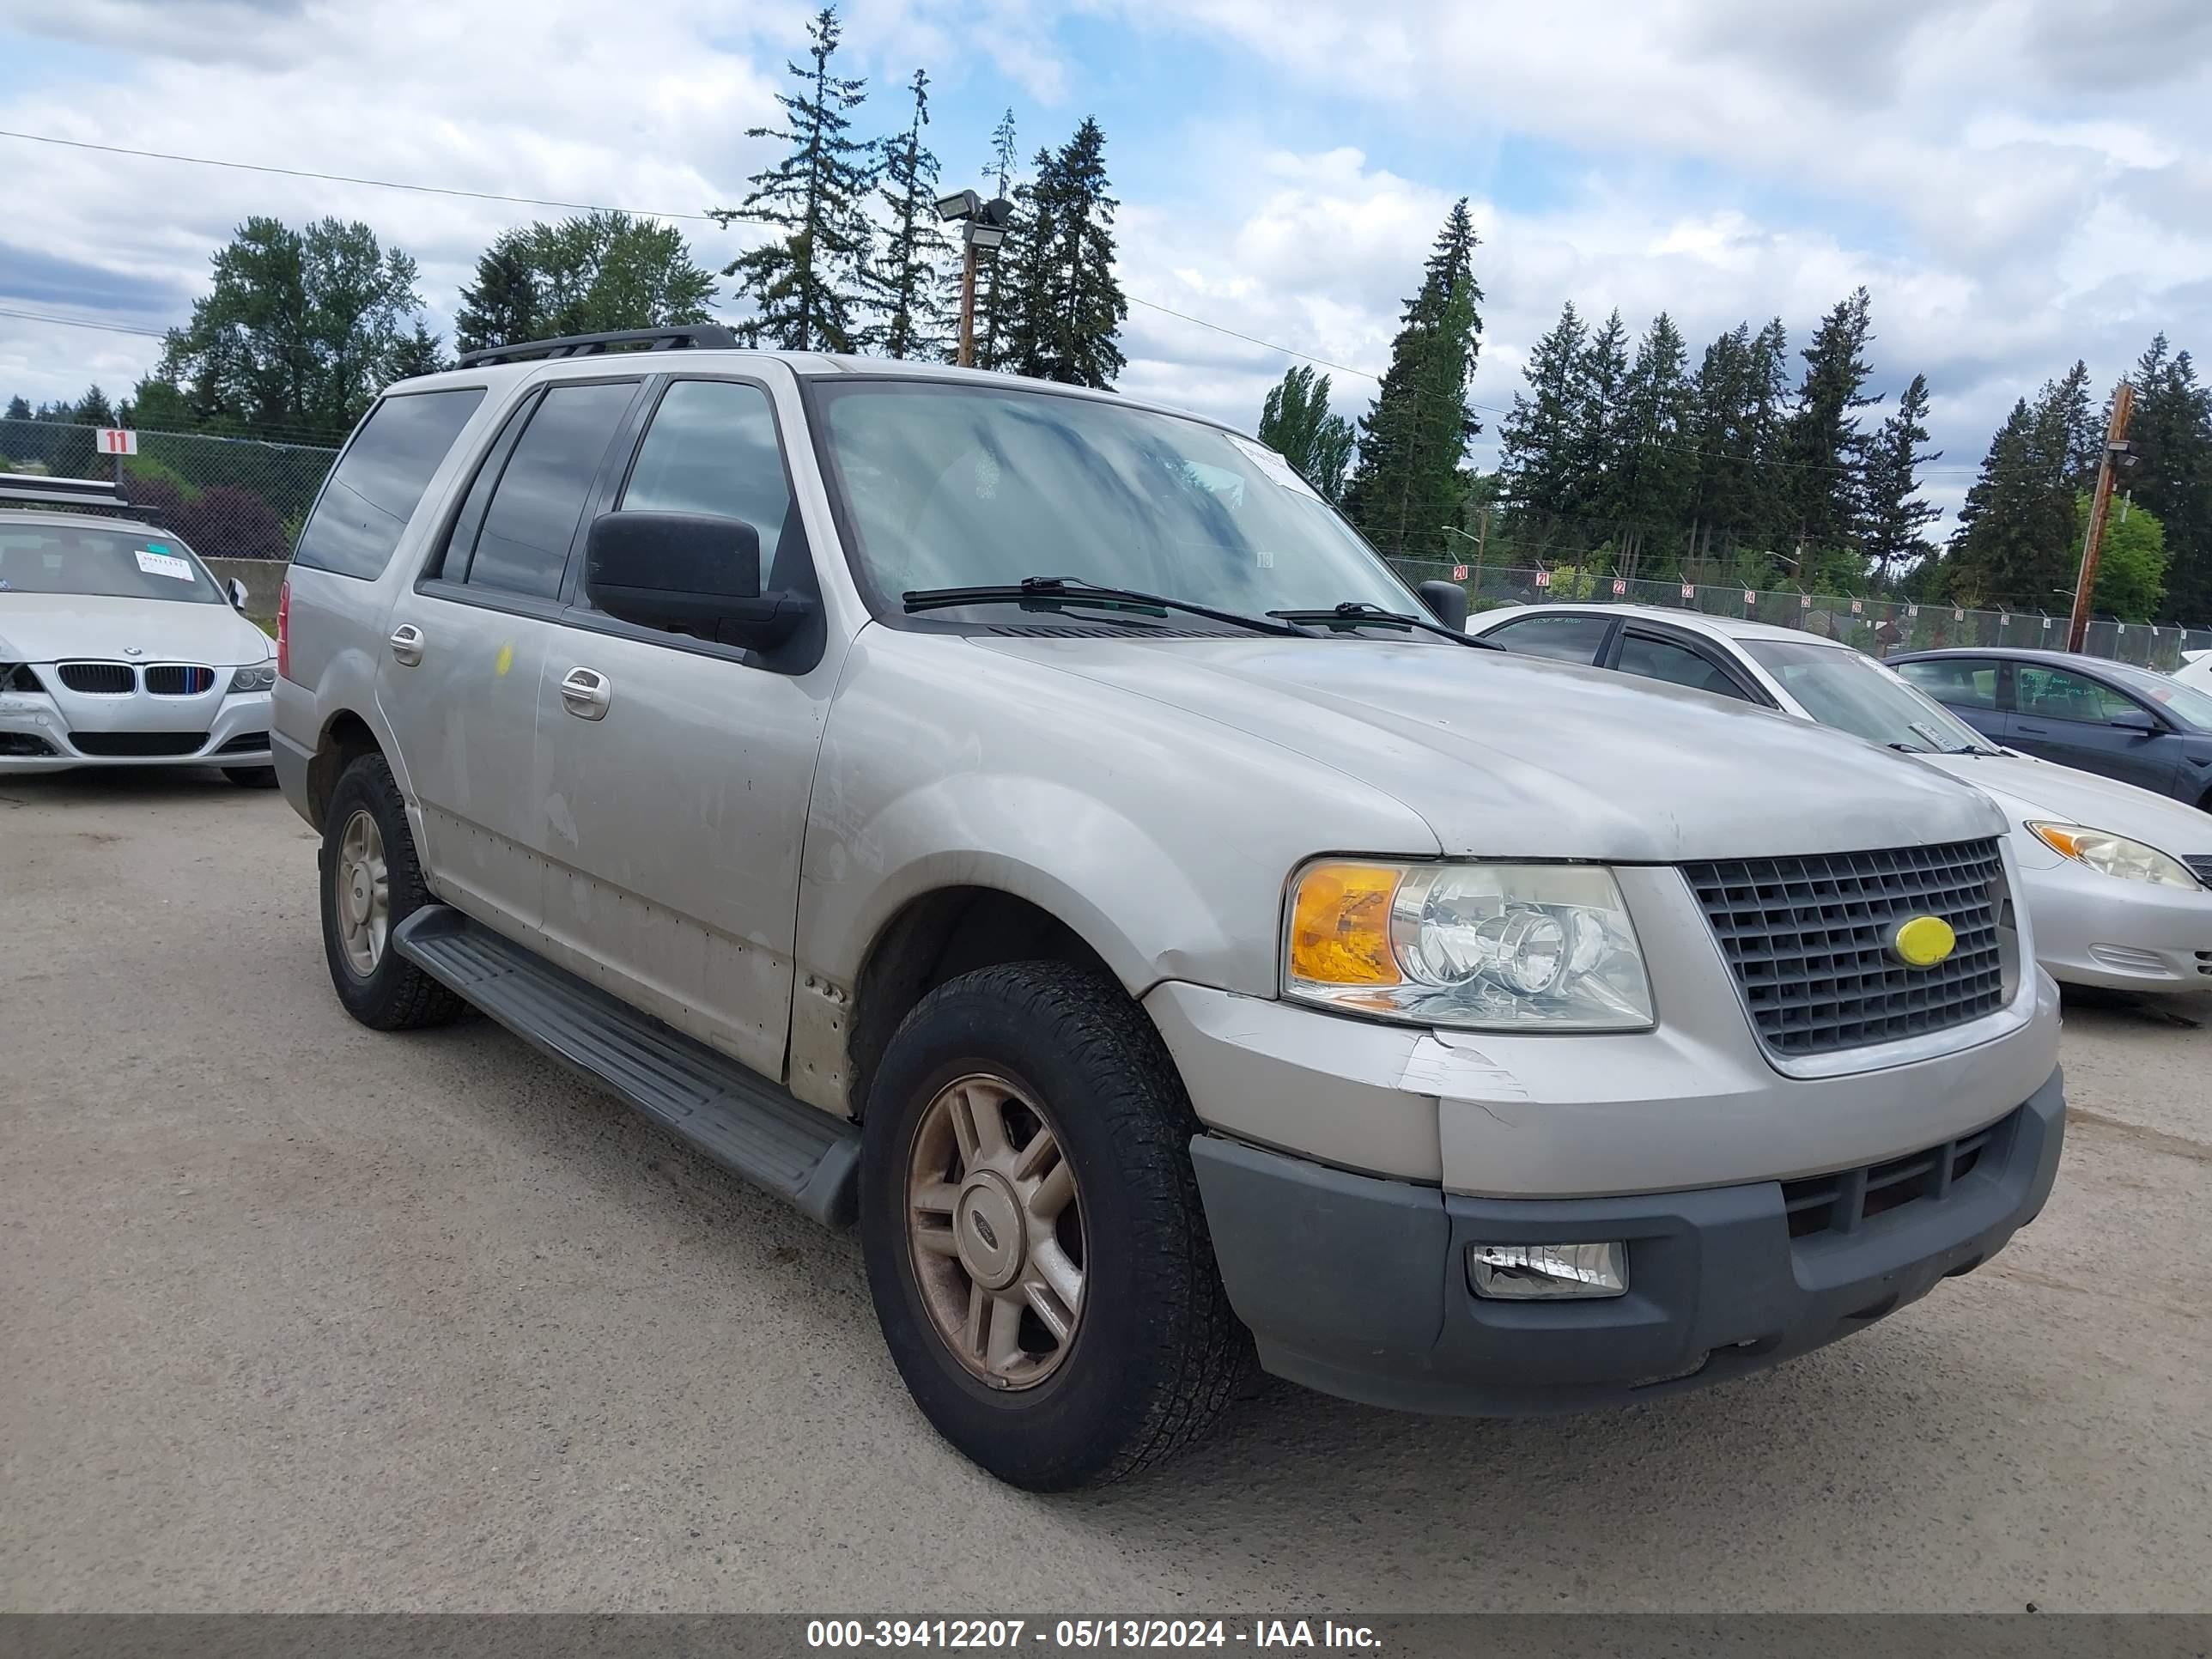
{"x":1961,"y":681}
{"x":1566,"y":638}
{"x":380,"y":480}
{"x":533,"y":514}
{"x":2052,"y":693}
{"x":712,"y":449}
{"x":1662,"y":660}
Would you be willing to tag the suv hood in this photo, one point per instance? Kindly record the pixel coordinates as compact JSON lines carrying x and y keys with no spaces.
{"x":52,"y":627}
{"x":2026,"y":788}
{"x":1507,"y":756}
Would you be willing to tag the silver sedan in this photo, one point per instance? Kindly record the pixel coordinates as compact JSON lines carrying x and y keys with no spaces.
{"x":2117,"y":879}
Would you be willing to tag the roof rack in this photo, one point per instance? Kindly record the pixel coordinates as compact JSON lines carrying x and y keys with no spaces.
{"x":68,"y":495}
{"x":699,"y":337}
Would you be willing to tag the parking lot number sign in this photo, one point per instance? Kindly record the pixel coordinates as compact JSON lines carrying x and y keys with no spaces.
{"x":1459,"y":572}
{"x":117,"y":441}
{"x":1804,"y":601}
{"x":1689,"y":591}
{"x":1543,"y":579}
{"x":1619,"y":587}
{"x":1750,"y":598}
{"x":1858,"y":607}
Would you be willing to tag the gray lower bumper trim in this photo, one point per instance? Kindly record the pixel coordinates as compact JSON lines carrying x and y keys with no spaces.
{"x":1358,"y":1286}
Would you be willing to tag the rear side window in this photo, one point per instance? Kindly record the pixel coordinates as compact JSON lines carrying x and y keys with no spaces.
{"x":1959,"y":681}
{"x":380,"y":480}
{"x":1566,"y":639}
{"x":1662,"y":660}
{"x":712,"y":449}
{"x":539,"y":499}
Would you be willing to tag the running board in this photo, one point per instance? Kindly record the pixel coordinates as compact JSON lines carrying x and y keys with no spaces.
{"x":745,"y":1123}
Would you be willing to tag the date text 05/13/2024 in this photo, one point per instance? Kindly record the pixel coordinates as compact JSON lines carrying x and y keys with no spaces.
{"x":1019,"y":1635}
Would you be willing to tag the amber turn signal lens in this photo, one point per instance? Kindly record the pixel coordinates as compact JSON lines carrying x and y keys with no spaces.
{"x":1340,"y":926}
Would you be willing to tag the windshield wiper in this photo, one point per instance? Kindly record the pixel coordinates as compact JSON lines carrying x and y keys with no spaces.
{"x":1358,"y":613}
{"x":1050,"y":590}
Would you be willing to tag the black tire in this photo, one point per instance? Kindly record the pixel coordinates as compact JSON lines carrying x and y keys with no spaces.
{"x":1157,"y":1355}
{"x":397,"y":996}
{"x":252,"y":777}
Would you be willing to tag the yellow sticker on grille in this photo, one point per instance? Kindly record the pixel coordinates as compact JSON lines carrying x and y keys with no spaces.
{"x":1923,"y":941}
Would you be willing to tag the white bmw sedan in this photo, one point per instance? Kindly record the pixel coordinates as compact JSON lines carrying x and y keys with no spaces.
{"x":119,"y":647}
{"x":2118,"y":880}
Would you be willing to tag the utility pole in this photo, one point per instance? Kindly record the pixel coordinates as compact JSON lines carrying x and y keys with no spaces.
{"x":2092,"y":538}
{"x":967,"y":302}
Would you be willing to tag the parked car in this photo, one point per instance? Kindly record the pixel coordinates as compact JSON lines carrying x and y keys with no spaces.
{"x":2117,"y":879}
{"x":118,"y":648}
{"x":2110,"y":718}
{"x":1030,"y":824}
{"x":2196,"y":670}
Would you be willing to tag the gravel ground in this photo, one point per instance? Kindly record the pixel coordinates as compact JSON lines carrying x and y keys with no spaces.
{"x":300,"y":1317}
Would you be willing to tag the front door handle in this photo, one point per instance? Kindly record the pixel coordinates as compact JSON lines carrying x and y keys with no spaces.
{"x":586,"y":692}
{"x":407,"y":645}
{"x":2033,"y":731}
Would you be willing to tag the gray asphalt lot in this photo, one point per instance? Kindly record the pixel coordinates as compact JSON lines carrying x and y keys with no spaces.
{"x":296,"y":1316}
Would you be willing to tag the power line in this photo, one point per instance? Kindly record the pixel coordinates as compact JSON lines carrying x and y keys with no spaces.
{"x":344,"y":179}
{"x":1254,"y":340}
{"x":80,"y":322}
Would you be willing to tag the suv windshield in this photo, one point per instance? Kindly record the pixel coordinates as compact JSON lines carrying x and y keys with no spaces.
{"x":951,"y":485}
{"x":2188,"y":706}
{"x":121,"y":562}
{"x":1853,"y":693}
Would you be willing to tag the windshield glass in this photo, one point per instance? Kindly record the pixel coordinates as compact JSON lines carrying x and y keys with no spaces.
{"x":121,"y":562}
{"x":947,"y":485}
{"x":2185,"y":703}
{"x":1853,"y":693}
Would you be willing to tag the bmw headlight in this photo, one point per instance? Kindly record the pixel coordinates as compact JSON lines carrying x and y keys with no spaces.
{"x":2113,"y":855}
{"x":1483,"y":946}
{"x":262,"y":677}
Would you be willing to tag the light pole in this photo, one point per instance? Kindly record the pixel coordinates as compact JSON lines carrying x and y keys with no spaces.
{"x":984,"y":225}
{"x":1454,"y":530}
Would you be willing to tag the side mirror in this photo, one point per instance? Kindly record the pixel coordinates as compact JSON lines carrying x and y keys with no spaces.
{"x":1447,"y":602}
{"x":237,"y":592}
{"x":2136,"y":721}
{"x":689,"y":573}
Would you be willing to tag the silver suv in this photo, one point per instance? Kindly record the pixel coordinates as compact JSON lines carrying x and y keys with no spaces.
{"x":1030,"y":825}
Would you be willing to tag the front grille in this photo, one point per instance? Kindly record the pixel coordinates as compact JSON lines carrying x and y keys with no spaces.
{"x":125,"y":744}
{"x":2200,"y":866}
{"x":1844,"y":1202}
{"x":176,"y":679}
{"x":1808,"y":941}
{"x":101,"y":679}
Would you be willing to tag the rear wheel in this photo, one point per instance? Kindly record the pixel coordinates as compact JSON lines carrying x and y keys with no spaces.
{"x":1036,"y":1245}
{"x":371,"y":883}
{"x":252,"y":777}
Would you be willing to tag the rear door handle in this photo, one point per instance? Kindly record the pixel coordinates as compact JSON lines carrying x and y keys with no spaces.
{"x":407,"y":645}
{"x":586,"y":692}
{"x":2033,"y":731}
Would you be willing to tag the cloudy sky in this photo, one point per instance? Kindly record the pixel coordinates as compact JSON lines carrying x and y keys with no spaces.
{"x":2020,"y":182}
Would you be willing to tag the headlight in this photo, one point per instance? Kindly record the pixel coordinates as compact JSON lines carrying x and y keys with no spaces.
{"x":1484,"y":946}
{"x":2113,"y":855}
{"x":262,"y":677}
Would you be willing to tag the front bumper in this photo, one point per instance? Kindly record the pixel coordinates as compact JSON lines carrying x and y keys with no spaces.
{"x":63,"y":731}
{"x":2093,"y":929}
{"x":1358,"y":1286}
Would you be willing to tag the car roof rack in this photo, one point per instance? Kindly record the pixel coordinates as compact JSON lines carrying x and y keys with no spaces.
{"x":699,"y":337}
{"x":67,"y":494}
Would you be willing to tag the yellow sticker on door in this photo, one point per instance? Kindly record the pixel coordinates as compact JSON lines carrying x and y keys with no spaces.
{"x":504,"y":660}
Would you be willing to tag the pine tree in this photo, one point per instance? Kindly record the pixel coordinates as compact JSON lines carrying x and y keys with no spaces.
{"x":907,"y":281}
{"x":1657,"y":472}
{"x":805,"y":286}
{"x":2015,"y":543}
{"x":502,"y":308}
{"x":1068,"y":307}
{"x":2171,"y":433}
{"x":994,"y":286}
{"x":1408,"y":482}
{"x":1535,"y":441}
{"x":2085,"y":434}
{"x":1594,"y":447}
{"x":19,"y":408}
{"x":1894,"y":514}
{"x":93,"y":408}
{"x":1295,"y":422}
{"x":419,"y":352}
{"x":589,"y":275}
{"x":1823,"y":447}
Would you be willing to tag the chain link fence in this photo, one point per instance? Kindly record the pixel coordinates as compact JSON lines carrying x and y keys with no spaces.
{"x":1877,"y":627}
{"x":226,"y":498}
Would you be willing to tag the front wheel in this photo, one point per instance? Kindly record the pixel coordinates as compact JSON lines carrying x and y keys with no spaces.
{"x":1036,"y":1246}
{"x":371,"y":883}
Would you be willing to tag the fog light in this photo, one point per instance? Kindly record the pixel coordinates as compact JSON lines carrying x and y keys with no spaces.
{"x":1521,"y":1273}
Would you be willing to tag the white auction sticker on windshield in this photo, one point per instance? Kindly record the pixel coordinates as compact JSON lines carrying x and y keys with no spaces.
{"x":163,"y":564}
{"x":1277,"y":469}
